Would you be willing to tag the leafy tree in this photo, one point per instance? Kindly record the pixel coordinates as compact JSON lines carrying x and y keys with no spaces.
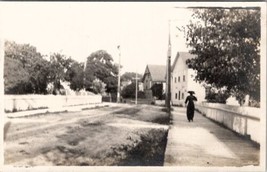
{"x":100,"y":66}
{"x":157,"y":91}
{"x":226,"y":44}
{"x":141,"y":94}
{"x":130,"y":76}
{"x":59,"y":65}
{"x":39,"y":76}
{"x":111,"y":84}
{"x":98,"y":87}
{"x":15,"y":76}
{"x":217,"y":96}
{"x":25,"y":53}
{"x":129,"y":91}
{"x":75,"y":75}
{"x":25,"y":70}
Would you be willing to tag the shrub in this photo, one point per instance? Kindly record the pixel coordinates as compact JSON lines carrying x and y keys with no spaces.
{"x":217,"y":96}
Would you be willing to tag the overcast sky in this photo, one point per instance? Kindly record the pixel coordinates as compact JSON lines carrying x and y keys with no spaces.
{"x":78,"y":29}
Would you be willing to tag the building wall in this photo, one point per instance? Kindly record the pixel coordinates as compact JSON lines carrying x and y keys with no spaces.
{"x":179,"y":83}
{"x":196,"y":86}
{"x":182,"y":82}
{"x":147,"y":82}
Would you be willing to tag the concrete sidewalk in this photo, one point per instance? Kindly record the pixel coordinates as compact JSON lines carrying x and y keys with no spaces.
{"x":205,"y":143}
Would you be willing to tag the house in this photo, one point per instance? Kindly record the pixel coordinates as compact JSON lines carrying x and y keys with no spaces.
{"x":154,"y":75}
{"x":183,"y":80}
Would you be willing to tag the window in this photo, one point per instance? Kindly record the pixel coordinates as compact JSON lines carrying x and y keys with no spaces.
{"x":175,"y":79}
{"x":182,"y":95}
{"x":175,"y":95}
{"x":178,"y":78}
{"x":179,"y":95}
{"x":183,"y":77}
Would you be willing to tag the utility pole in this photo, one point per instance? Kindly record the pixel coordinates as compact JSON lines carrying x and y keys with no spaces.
{"x":168,"y":76}
{"x":119,"y":76}
{"x":84,"y":77}
{"x":136,"y":88}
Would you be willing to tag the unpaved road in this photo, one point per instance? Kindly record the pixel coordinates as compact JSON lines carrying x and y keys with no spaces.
{"x":105,"y":136}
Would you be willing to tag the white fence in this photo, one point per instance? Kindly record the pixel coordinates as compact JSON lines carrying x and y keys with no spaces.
{"x":243,"y":120}
{"x":29,"y":102}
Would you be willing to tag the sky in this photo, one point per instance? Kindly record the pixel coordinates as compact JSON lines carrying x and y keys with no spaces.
{"x":78,"y":29}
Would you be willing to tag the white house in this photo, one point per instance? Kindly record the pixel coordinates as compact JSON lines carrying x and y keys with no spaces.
{"x":183,"y":80}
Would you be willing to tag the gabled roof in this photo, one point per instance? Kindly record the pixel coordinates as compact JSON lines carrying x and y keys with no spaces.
{"x":157,"y":72}
{"x":184,"y":56}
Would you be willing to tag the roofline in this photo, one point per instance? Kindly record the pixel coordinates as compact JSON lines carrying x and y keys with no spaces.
{"x":175,"y":60}
{"x":143,"y":78}
{"x":149,"y":72}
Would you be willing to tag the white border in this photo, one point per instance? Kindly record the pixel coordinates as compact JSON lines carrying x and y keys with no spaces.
{"x":262,"y":166}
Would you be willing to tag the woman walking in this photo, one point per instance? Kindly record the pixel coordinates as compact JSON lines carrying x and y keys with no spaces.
{"x":190,"y":106}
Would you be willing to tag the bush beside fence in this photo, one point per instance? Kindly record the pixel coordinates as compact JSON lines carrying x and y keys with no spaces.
{"x":15,"y":103}
{"x":243,"y":120}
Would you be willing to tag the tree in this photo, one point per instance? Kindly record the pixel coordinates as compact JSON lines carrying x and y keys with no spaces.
{"x":130,"y":76}
{"x":25,"y":69}
{"x":98,"y":87}
{"x":25,"y":53}
{"x":15,"y":76}
{"x":39,"y":76}
{"x":59,"y":65}
{"x":75,"y":75}
{"x":226,"y":44}
{"x":157,"y":91}
{"x":217,"y":96}
{"x":100,"y":66}
{"x":129,"y":91}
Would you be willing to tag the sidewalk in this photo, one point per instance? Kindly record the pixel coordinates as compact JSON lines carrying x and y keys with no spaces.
{"x":205,"y":143}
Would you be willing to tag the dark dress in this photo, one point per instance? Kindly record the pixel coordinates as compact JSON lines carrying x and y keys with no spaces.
{"x":190,"y":107}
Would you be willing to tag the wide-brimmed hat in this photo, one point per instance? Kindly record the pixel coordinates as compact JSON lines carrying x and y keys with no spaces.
{"x":191,"y":92}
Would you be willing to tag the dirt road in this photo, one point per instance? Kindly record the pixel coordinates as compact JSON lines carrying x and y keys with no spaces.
{"x":104,"y":136}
